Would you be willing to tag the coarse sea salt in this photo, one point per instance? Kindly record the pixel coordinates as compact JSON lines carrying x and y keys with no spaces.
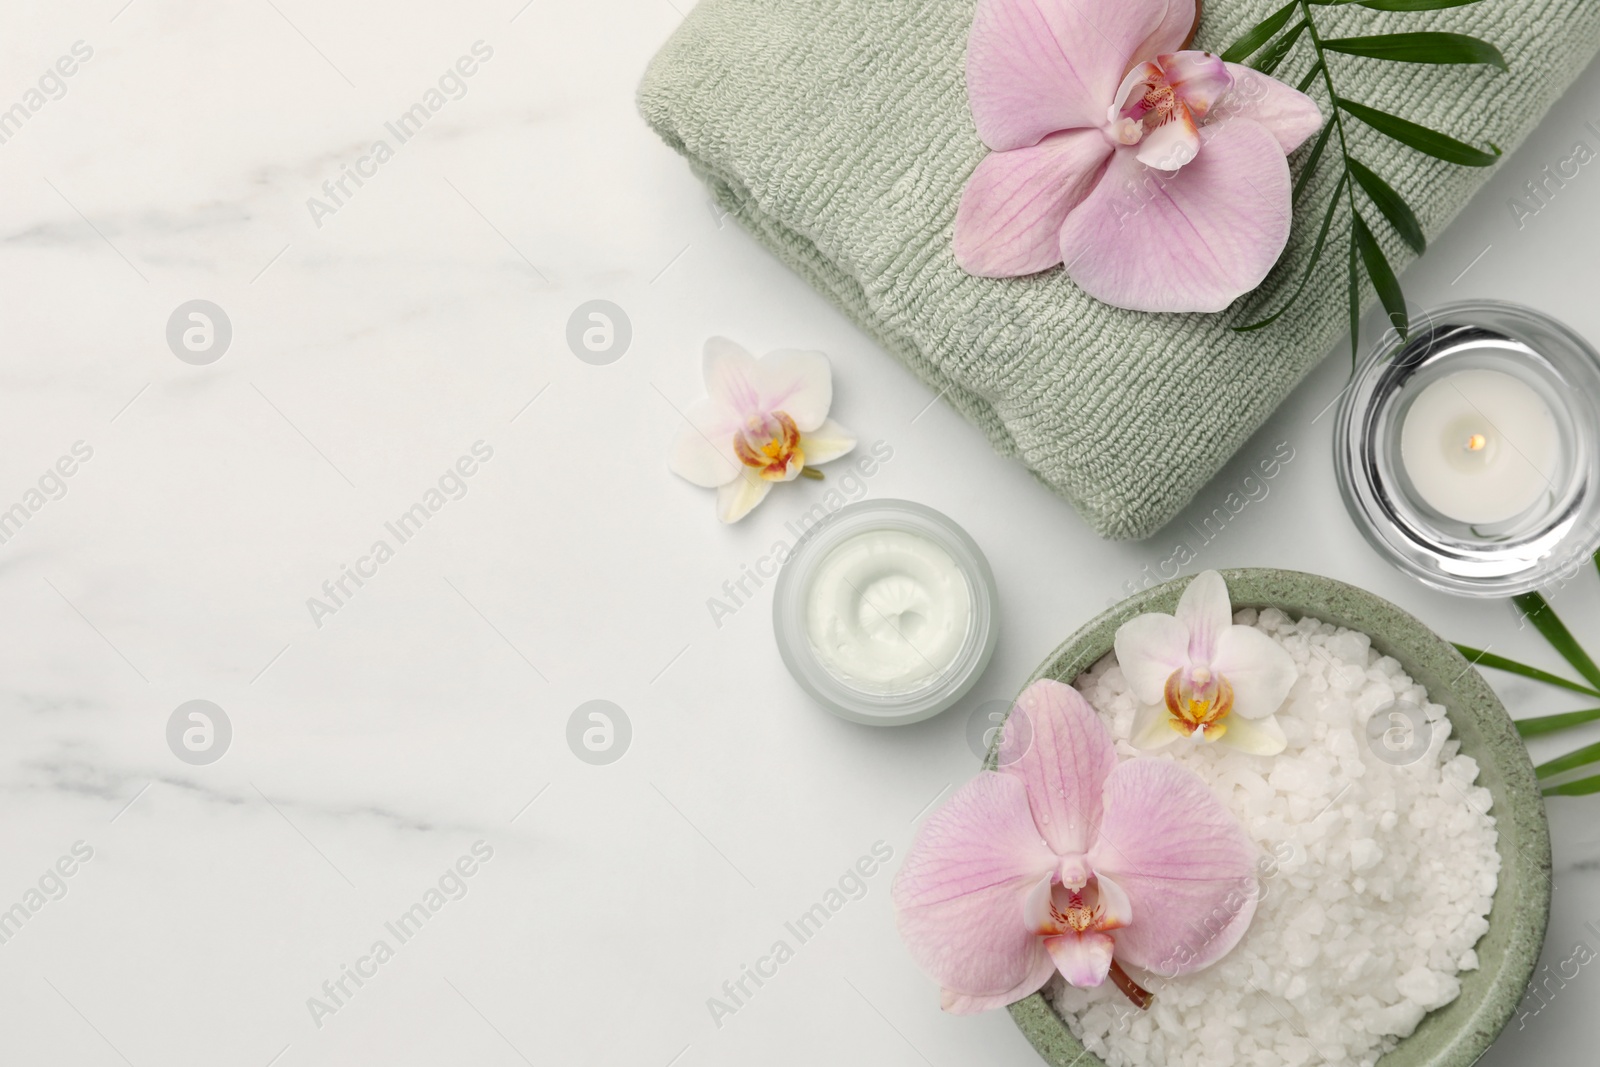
{"x":1376,"y":878}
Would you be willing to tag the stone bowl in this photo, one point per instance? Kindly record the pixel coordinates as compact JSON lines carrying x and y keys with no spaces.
{"x":1457,"y":1034}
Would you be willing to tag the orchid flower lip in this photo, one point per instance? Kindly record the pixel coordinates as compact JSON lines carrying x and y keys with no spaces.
{"x":1198,"y":702}
{"x":1167,"y":99}
{"x":770,"y":444}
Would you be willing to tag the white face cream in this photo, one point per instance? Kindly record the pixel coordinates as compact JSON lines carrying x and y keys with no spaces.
{"x":887,"y":611}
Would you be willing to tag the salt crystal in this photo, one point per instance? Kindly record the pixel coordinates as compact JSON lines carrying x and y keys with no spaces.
{"x":1364,"y":854}
{"x":1376,"y":695}
{"x":1312,"y":918}
{"x":1355,"y":967}
{"x":1430,"y":989}
{"x":1398,"y":1020}
{"x":1346,"y":678}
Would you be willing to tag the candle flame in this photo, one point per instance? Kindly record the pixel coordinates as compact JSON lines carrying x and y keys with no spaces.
{"x":1477,"y":443}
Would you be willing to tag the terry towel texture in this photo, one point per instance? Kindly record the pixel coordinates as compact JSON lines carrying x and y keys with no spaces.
{"x":837,"y":132}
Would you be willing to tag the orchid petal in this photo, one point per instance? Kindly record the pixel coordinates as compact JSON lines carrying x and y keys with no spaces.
{"x":730,"y":378}
{"x":797,"y":383}
{"x":1207,"y":235}
{"x":1064,"y":768}
{"x":1152,"y":728}
{"x":963,"y":1004}
{"x":1009,"y":221}
{"x":1149,"y":649}
{"x":703,"y":452}
{"x":1199,"y":78}
{"x":738,"y":497}
{"x":959,"y":896}
{"x":827,"y":442}
{"x":1183,"y":860}
{"x":1173,"y":144}
{"x":1172,"y":33}
{"x":1116,"y":910}
{"x":1260,"y":737}
{"x":1083,"y":959}
{"x":1288,"y":114}
{"x":1036,"y":907}
{"x":1260,"y":670}
{"x":1206,"y":613}
{"x":1034,"y":69}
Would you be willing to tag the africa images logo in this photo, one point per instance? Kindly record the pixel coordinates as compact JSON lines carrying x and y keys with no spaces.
{"x":451,"y":885}
{"x":452,"y":485}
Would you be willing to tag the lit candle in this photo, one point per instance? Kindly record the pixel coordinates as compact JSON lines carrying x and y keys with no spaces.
{"x":1480,"y":446}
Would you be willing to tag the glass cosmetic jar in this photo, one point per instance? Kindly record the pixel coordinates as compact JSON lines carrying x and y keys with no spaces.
{"x":885,"y":612}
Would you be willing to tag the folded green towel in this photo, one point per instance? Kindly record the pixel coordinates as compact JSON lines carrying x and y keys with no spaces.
{"x":837,"y":132}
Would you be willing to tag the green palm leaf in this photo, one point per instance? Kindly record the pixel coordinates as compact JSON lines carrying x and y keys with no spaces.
{"x":1429,"y":142}
{"x":1406,"y":5}
{"x":1537,"y":611}
{"x":1312,"y":159}
{"x":1420,"y":48}
{"x":1511,"y":666}
{"x":1580,"y":788}
{"x":1259,"y":34}
{"x":1268,"y":61}
{"x":1382,"y":275}
{"x":1549,"y":724}
{"x":1310,"y":76}
{"x":1390,"y":203}
{"x":1355,"y":310}
{"x":1586,"y":754}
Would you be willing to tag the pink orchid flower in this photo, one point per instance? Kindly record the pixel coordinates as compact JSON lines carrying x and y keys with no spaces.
{"x":1065,"y":859}
{"x":1157,"y":175}
{"x":762,"y":421}
{"x":1197,"y":675}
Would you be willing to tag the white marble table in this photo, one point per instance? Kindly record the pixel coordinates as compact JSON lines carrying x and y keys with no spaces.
{"x":376,"y":744}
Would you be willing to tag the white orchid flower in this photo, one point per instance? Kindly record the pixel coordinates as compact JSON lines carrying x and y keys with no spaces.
{"x":762,"y":421}
{"x":1197,"y":675}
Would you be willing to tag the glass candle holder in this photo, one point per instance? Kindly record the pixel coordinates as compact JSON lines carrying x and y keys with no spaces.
{"x":885,"y":612}
{"x":1467,"y":454}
